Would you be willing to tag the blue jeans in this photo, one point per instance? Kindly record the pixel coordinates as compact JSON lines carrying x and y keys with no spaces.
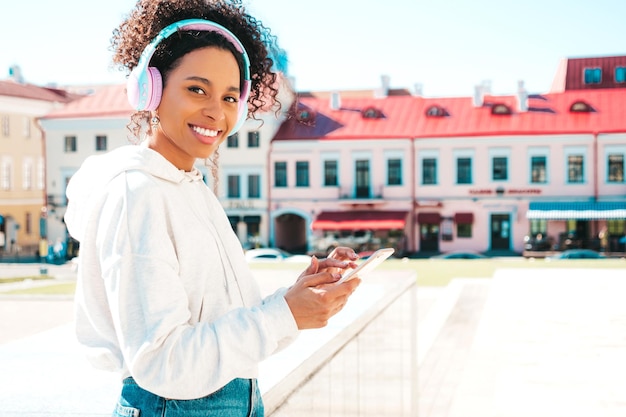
{"x":238,"y":398}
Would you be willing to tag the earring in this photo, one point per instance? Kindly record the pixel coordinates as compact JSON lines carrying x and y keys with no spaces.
{"x":155,"y":121}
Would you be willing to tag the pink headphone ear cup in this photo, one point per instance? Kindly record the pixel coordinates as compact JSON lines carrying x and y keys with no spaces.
{"x":132,"y":89}
{"x":155,"y":88}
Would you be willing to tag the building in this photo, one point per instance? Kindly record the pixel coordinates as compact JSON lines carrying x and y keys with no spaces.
{"x":484,"y":173}
{"x":22,"y":164}
{"x":387,"y":167}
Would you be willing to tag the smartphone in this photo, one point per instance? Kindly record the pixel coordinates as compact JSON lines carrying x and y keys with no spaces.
{"x":367,"y":265}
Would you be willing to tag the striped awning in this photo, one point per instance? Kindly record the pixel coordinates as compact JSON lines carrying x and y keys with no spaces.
{"x":576,"y":210}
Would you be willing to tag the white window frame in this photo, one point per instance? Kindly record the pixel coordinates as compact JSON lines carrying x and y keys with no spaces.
{"x":500,"y":152}
{"x":395,"y":154}
{"x":429,"y":154}
{"x":574,"y":151}
{"x":538,"y":151}
{"x":613,"y":150}
{"x":464,"y":153}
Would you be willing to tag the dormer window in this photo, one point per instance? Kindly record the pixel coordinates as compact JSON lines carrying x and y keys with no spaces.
{"x":436,"y":111}
{"x":580,"y":107}
{"x":593,"y":75}
{"x":305,"y":116}
{"x":500,"y":109}
{"x":372,"y":113}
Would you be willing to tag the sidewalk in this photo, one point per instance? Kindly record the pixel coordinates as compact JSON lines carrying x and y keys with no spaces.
{"x":45,"y":374}
{"x":546,"y":344}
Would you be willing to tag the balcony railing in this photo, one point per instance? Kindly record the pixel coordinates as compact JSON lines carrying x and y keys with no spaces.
{"x":363,"y":364}
{"x":352,"y":193}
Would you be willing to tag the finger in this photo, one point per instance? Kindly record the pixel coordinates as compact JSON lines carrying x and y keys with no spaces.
{"x":313,"y":268}
{"x":344,"y":253}
{"x":334,"y":263}
{"x":320,"y":278}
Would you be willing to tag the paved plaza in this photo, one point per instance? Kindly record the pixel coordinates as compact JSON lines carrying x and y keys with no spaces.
{"x":549,"y":343}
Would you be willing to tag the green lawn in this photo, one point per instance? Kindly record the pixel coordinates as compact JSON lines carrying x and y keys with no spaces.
{"x":430,"y":272}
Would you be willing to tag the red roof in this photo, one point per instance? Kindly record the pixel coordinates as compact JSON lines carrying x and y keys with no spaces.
{"x":106,"y":101}
{"x":570,"y":76}
{"x":34,"y":92}
{"x":405,"y":116}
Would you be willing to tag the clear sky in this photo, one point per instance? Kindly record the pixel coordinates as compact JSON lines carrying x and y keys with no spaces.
{"x":446,"y":46}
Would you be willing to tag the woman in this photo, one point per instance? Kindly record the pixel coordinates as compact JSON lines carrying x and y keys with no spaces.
{"x":164,"y":295}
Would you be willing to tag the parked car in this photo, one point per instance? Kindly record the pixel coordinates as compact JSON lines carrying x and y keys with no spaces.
{"x":274,"y":255}
{"x":459,"y":255}
{"x":578,"y":254}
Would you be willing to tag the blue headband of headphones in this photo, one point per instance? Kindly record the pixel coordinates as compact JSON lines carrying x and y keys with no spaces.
{"x":145,"y":84}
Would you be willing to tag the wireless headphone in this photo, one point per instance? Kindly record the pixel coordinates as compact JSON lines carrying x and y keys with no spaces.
{"x":145,"y":84}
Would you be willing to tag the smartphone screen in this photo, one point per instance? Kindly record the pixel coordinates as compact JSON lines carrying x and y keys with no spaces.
{"x":367,"y":265}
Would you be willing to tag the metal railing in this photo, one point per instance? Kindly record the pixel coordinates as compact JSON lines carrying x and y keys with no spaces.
{"x":364,"y":365}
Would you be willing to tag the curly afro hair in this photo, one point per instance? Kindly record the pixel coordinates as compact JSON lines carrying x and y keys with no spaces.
{"x":149,"y":17}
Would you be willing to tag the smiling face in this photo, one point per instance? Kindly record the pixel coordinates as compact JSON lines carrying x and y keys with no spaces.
{"x":198,"y":107}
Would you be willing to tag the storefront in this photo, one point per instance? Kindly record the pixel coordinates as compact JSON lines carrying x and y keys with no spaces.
{"x":579,"y":224}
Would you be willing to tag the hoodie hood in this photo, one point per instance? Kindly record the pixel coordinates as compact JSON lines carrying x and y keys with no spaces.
{"x":89,"y":183}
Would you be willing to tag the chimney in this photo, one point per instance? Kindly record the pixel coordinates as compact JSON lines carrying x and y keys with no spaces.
{"x":385,"y":81}
{"x":522,"y":97}
{"x":479,"y":93}
{"x":479,"y":96}
{"x":335,"y":100}
{"x":418,"y":90}
{"x":15,"y":74}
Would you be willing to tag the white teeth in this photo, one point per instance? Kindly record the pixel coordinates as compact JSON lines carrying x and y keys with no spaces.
{"x":205,"y":132}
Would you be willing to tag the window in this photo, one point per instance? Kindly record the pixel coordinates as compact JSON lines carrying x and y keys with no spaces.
{"x":27,"y":175}
{"x":499,"y":171}
{"x":233,"y":141}
{"x":538,"y":226}
{"x":581,"y":106}
{"x":616,"y":168}
{"x":253,"y":139}
{"x":575,"y":169}
{"x":436,"y":111}
{"x":620,"y":75}
{"x":5,"y":175}
{"x":302,"y":174}
{"x":29,"y":223}
{"x":101,"y":143}
{"x":538,"y":169}
{"x":501,"y":109}
{"x":330,"y":174}
{"x":70,"y":144}
{"x":464,"y":170}
{"x":394,"y":172}
{"x":6,"y":130}
{"x":280,"y":174}
{"x":254,"y":186}
{"x":233,"y":186}
{"x":41,"y":174}
{"x":372,"y":113}
{"x":593,"y":76}
{"x":616,"y":227}
{"x":26,"y":123}
{"x":464,"y":230}
{"x":362,"y":174}
{"x":429,"y":171}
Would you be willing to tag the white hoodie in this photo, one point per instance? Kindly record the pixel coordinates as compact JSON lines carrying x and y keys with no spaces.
{"x":164,"y":293}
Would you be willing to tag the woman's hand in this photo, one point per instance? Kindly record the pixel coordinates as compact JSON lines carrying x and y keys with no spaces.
{"x":316,"y":296}
{"x":337,"y":261}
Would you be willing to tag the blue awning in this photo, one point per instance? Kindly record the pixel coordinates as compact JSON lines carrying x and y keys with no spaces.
{"x":576,"y":210}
